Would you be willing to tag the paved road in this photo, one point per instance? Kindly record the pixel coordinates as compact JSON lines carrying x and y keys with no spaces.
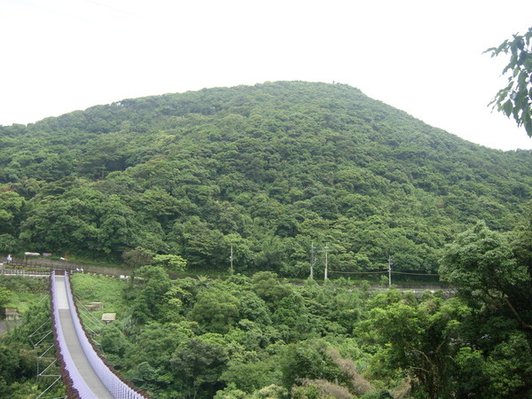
{"x":74,"y":346}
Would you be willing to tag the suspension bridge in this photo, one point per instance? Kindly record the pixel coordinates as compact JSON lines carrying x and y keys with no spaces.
{"x":85,"y":374}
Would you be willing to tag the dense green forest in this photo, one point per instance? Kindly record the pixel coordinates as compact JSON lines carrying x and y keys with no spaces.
{"x":269,"y":169}
{"x":261,"y":337}
{"x":173,"y":182}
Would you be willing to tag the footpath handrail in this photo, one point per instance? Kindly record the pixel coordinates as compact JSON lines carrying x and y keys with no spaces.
{"x":114,"y":384}
{"x":19,"y":272}
{"x":48,"y":264}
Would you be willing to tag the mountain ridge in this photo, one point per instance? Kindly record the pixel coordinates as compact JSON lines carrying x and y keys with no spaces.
{"x":130,"y":101}
{"x":269,"y":167}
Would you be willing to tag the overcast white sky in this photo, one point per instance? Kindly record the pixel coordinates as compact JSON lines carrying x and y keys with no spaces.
{"x":424,"y":57}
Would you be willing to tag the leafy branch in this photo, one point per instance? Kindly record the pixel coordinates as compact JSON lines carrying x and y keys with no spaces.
{"x":515,"y":100}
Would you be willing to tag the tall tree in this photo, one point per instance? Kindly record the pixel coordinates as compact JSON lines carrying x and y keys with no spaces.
{"x":482,"y":265}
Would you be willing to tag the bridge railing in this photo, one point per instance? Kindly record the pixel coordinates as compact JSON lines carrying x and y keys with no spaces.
{"x":43,"y":264}
{"x":22,"y":272}
{"x":114,"y":384}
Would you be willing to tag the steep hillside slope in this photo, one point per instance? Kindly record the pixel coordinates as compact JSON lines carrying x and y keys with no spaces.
{"x":269,"y":169}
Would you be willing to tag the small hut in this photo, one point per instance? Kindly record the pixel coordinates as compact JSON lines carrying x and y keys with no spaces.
{"x":108,"y":317}
{"x":11,"y":314}
{"x":95,"y":306}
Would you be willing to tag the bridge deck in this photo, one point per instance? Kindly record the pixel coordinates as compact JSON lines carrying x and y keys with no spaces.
{"x":74,"y":346}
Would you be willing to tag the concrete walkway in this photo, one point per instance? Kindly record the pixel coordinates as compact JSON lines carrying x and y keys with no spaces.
{"x":74,"y":346}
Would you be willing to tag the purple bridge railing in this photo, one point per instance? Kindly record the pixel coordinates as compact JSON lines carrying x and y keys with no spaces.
{"x":76,"y":386}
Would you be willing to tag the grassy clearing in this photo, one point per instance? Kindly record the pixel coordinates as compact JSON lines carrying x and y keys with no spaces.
{"x":24,"y":291}
{"x":97,"y":288}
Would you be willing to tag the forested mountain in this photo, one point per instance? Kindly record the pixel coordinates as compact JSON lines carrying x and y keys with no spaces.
{"x":269,"y":169}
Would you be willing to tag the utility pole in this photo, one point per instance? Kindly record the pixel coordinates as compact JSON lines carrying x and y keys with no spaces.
{"x":312,"y":260}
{"x":231,"y":269}
{"x":326,"y":249}
{"x":389,"y":271}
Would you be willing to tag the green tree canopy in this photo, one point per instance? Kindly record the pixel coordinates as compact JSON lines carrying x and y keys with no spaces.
{"x":482,"y":265}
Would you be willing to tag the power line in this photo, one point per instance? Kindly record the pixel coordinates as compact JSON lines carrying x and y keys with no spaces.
{"x":384,"y":271}
{"x":371,"y":272}
{"x":417,"y":274}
